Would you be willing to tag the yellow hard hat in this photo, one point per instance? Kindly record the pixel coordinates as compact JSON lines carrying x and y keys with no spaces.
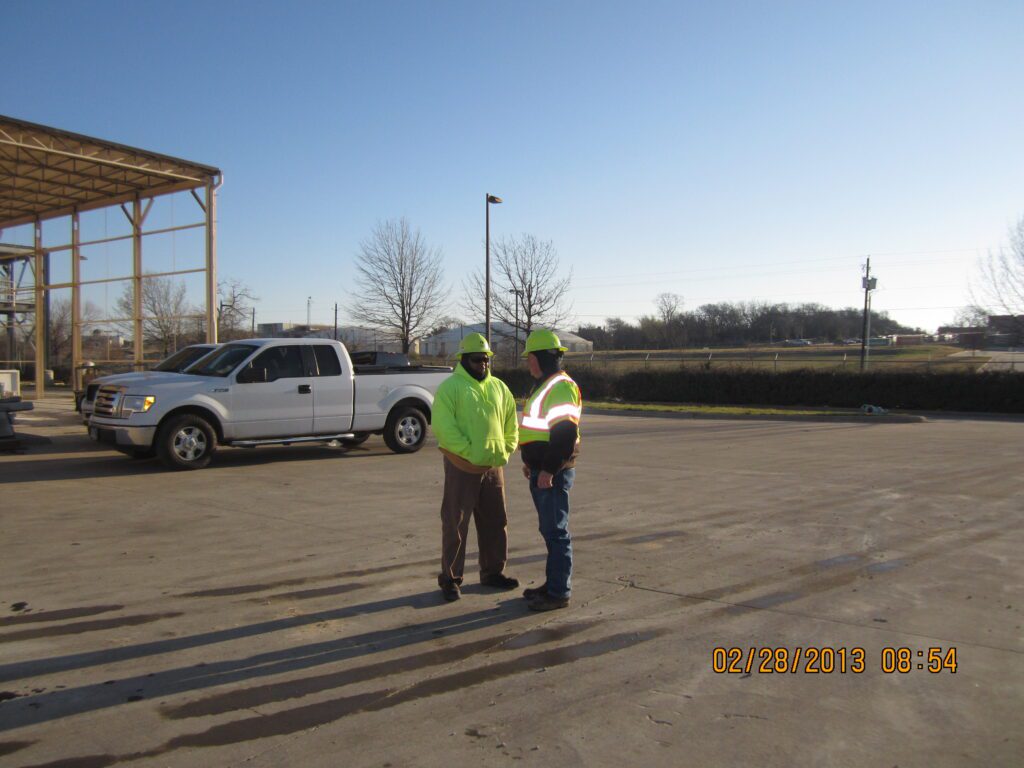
{"x":474,"y":343}
{"x":541,"y":340}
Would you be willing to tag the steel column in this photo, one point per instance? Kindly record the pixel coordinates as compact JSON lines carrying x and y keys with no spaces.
{"x":40,"y":313}
{"x":211,"y":263}
{"x":138,"y":341}
{"x":76,"y":301}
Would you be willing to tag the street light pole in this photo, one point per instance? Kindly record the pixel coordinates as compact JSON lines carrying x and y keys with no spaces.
{"x":489,"y":200}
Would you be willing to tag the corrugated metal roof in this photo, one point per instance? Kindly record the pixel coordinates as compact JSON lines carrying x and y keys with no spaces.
{"x":48,"y":172}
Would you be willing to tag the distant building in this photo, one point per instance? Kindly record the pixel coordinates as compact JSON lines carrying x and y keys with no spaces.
{"x":910,"y":339}
{"x":1005,"y":330}
{"x":354,"y":337}
{"x":1001,"y":331}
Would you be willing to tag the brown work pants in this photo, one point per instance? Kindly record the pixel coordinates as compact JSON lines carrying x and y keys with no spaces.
{"x":481,"y":497}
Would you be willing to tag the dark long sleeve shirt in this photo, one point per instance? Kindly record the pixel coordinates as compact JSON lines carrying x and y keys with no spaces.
{"x":558,"y":453}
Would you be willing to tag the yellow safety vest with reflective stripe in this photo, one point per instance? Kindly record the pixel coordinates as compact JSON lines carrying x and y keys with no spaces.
{"x":556,"y":400}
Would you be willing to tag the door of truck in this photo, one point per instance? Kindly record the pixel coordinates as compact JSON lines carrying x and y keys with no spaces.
{"x":273,"y":395}
{"x":332,"y":390}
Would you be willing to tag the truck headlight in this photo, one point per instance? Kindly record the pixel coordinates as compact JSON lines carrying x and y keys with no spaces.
{"x":136,"y":404}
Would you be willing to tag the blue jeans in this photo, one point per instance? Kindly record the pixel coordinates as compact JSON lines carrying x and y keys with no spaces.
{"x":553,"y":518}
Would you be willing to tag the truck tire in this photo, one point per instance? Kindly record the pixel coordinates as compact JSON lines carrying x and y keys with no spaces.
{"x":405,"y":430}
{"x":186,"y":442}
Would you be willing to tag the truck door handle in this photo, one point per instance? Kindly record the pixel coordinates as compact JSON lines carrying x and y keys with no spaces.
{"x":305,"y":389}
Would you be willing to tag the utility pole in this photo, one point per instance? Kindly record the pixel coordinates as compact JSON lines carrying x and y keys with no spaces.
{"x":335,"y":321}
{"x":869,"y":284}
{"x":309,"y":304}
{"x":254,"y":321}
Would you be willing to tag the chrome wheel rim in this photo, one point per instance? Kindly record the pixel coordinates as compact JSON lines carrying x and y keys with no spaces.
{"x":409,"y":431}
{"x":189,"y":443}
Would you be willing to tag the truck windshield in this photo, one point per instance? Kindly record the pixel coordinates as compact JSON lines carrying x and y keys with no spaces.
{"x":223,"y":361}
{"x":182,"y":359}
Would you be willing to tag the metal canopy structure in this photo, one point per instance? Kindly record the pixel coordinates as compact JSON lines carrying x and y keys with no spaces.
{"x":47,"y":173}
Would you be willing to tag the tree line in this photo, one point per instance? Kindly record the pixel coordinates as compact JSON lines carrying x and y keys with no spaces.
{"x":734,"y":324}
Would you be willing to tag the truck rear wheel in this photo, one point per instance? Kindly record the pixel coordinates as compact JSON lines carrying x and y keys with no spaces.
{"x":405,"y":430}
{"x":186,"y":442}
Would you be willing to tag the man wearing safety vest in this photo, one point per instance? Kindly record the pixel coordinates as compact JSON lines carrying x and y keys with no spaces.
{"x":549,"y":438}
{"x":474,"y":418}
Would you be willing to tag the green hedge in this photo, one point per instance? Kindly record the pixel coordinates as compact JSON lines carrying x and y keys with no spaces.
{"x":996,"y":392}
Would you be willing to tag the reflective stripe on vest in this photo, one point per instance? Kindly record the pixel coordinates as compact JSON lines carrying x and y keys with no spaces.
{"x":532,"y":418}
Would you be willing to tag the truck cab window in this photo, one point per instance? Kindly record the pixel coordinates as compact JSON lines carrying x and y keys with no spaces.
{"x":279,"y":363}
{"x":327,"y":362}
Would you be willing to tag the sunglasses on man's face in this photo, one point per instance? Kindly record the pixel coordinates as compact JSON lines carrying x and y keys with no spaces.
{"x":479,"y":359}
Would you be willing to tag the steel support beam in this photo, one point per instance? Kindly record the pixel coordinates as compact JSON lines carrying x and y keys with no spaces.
{"x":76,"y":301}
{"x":41,"y":314}
{"x":138,"y":342}
{"x":211,"y":263}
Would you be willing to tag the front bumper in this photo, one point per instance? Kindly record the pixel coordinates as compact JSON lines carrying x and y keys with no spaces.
{"x":122,"y":436}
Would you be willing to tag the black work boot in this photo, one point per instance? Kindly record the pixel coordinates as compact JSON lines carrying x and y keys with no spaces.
{"x":451,"y":591}
{"x":499,"y":581}
{"x":531,"y":592}
{"x":548,"y":602}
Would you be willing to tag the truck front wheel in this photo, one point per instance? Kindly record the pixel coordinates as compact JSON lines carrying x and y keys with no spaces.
{"x":405,"y":430}
{"x":186,"y":442}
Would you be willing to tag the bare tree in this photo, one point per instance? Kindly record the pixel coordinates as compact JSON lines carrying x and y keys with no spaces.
{"x":669,"y":306}
{"x":165,"y":312}
{"x":60,"y":333}
{"x":971,"y":316}
{"x":446,"y":323}
{"x":234,"y":309}
{"x":399,"y":282}
{"x":1002,"y":275}
{"x":527,"y":290}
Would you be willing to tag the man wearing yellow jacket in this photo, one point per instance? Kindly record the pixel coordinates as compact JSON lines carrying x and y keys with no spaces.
{"x":474,"y":418}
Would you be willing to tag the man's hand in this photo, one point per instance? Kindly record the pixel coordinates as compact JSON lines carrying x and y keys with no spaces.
{"x":544,"y":480}
{"x":526,"y":472}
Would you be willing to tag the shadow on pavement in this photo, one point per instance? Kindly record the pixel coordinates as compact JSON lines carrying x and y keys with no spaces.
{"x":99,"y":462}
{"x":26,"y":669}
{"x":44,"y":707}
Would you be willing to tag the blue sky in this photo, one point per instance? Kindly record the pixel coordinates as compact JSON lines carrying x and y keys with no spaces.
{"x":727,"y":151}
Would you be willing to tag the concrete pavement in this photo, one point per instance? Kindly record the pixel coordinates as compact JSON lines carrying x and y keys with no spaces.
{"x":279,"y":608}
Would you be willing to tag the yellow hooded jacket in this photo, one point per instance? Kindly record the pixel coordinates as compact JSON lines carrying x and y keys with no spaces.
{"x":475,"y":420}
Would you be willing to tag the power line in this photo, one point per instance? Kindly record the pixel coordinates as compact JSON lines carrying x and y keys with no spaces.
{"x":812,"y":261}
{"x":728,"y":272}
{"x":876,"y":310}
{"x":747,"y":298}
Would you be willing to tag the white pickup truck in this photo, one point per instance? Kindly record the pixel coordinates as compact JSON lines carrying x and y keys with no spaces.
{"x":265,"y":391}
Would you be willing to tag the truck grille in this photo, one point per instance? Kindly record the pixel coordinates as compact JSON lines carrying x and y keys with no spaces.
{"x":90,"y":392}
{"x":108,"y":401}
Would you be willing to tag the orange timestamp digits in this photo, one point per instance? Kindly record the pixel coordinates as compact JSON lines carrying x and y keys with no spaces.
{"x":934,"y":660}
{"x":811,"y":660}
